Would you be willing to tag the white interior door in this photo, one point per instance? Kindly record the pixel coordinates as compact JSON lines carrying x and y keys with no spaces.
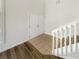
{"x":41,"y":24}
{"x":33,"y":26}
{"x":0,"y":29}
{"x":36,"y":25}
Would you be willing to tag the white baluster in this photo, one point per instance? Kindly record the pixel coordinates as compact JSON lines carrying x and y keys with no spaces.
{"x":65,"y":38}
{"x":61,"y":42}
{"x":53,"y":46}
{"x":70,"y":40}
{"x":57,"y":43}
{"x":75,"y":37}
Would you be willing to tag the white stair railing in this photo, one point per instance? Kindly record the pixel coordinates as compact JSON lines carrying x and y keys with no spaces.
{"x":63,"y":37}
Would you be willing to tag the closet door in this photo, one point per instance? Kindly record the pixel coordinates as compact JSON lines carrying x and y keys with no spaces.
{"x":0,"y":29}
{"x":36,"y":25}
{"x":40,"y":24}
{"x":33,"y":26}
{"x":1,"y":24}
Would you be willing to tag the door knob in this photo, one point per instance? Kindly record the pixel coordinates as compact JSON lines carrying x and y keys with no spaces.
{"x":58,"y":2}
{"x":37,"y":25}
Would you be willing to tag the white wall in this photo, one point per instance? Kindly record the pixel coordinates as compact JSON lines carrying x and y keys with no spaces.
{"x":61,"y":13}
{"x":1,"y":22}
{"x":0,"y":16}
{"x":17,"y":20}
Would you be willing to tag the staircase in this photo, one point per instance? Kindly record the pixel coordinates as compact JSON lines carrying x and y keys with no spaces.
{"x":65,"y":41}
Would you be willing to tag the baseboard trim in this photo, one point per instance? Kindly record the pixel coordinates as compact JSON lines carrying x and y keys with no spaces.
{"x":48,"y":34}
{"x":12,"y":46}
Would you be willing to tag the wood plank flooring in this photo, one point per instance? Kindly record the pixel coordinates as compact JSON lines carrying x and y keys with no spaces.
{"x":25,"y":51}
{"x":37,"y":48}
{"x":43,"y":43}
